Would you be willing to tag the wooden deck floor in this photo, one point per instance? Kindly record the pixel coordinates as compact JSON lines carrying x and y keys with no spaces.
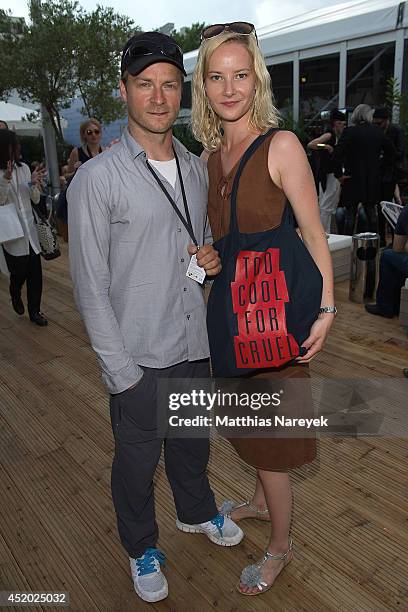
{"x":58,"y":531}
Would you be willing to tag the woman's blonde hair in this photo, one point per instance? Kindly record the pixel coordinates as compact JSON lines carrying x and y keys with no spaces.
{"x":206,"y":125}
{"x":85,"y":125}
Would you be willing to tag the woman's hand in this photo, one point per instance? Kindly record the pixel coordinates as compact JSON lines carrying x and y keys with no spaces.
{"x":8,"y":173}
{"x":318,"y":334}
{"x":37,"y":177}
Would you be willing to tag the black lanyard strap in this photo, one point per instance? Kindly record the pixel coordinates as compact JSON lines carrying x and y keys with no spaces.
{"x":185,"y":221}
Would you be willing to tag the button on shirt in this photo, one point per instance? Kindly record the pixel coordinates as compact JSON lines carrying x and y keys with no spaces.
{"x":128,"y":258}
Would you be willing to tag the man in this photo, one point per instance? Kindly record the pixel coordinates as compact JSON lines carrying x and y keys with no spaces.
{"x":381,"y":118}
{"x":129,"y":253}
{"x":393,"y":272}
{"x":329,"y":186}
{"x":391,"y":175}
{"x":3,"y":125}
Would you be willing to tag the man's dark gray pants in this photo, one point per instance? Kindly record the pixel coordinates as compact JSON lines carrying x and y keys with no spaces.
{"x":137,"y":453}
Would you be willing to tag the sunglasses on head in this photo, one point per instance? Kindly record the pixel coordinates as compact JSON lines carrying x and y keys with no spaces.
{"x":95,"y":131}
{"x":237,"y":27}
{"x":140,"y":48}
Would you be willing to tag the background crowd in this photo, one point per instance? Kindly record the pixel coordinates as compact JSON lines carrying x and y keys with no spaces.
{"x":358,"y":161}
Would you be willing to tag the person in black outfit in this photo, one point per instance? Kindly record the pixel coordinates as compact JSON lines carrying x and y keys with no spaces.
{"x":390,"y":176}
{"x":357,"y":160}
{"x":393,"y":272}
{"x":91,"y":134}
{"x":328,"y":185}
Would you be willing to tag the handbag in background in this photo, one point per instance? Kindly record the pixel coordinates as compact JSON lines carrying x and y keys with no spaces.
{"x":46,"y":235}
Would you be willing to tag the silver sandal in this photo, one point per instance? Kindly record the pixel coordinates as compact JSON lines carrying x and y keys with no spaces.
{"x":252,"y":577}
{"x":229,"y":506}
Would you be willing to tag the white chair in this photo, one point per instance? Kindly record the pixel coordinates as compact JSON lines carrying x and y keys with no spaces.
{"x":391,"y":212}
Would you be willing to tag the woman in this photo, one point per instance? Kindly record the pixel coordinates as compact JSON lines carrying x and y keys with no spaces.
{"x":232,"y":106}
{"x":19,"y":186}
{"x":91,"y":134}
{"x":329,"y":187}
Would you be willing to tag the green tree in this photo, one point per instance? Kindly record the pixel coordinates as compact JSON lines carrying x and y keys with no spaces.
{"x":102,"y":35}
{"x":189,"y":38}
{"x":394,"y":99}
{"x":40,"y":59}
{"x":62,"y":53}
{"x":182,"y":132}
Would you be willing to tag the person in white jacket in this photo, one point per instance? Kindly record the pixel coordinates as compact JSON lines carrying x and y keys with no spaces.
{"x":22,"y":256}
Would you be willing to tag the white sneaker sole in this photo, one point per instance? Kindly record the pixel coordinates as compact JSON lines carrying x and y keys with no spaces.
{"x":221,"y":542}
{"x":152,"y":597}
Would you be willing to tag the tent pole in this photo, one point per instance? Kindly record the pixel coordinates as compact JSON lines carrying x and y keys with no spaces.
{"x":50,"y":146}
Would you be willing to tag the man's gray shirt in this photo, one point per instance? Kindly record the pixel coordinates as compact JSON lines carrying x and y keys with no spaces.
{"x":128,"y":258}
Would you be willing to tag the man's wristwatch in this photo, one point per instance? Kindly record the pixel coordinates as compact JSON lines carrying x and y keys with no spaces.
{"x":329,"y":309}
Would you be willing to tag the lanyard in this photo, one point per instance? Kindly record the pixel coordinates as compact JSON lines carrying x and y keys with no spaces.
{"x":185,"y":221}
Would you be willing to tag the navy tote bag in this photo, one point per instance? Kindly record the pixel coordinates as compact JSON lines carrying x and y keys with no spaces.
{"x":267,"y":296}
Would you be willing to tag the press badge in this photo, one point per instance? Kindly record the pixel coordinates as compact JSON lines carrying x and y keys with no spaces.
{"x":194,"y":271}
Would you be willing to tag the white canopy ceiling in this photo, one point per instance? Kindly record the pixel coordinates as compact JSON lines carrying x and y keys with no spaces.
{"x":14,"y":115}
{"x":325,"y":26}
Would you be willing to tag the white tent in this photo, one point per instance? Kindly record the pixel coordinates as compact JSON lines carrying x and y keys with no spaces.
{"x":372,"y":26}
{"x":15,"y":116}
{"x":334,"y":24}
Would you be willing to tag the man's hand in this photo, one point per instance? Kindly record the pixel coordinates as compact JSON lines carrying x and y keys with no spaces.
{"x":134,"y":386}
{"x":131,"y":387}
{"x":207,"y":258}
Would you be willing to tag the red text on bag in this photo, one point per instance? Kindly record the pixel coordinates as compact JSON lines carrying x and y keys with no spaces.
{"x":259,"y":294}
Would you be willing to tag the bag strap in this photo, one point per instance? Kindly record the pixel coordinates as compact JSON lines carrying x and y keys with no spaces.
{"x":38,"y":215}
{"x":246,"y":156}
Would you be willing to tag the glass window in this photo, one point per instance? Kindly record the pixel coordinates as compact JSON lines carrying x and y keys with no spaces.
{"x":367,"y":72}
{"x":282,"y":85}
{"x":319,"y":86}
{"x":186,"y":95}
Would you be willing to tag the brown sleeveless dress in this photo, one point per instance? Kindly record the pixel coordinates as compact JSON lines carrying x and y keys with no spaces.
{"x":260,"y":205}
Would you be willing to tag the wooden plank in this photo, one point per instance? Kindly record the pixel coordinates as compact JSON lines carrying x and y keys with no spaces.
{"x":25,"y":531}
{"x":55,"y":453}
{"x":12,"y":577}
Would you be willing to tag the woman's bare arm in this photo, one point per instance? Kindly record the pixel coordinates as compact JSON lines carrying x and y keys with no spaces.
{"x":72,"y":160}
{"x":323,"y":139}
{"x":290,"y":170}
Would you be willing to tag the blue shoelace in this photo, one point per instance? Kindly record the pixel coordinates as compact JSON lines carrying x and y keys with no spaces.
{"x":218,"y":521}
{"x":145,"y":565}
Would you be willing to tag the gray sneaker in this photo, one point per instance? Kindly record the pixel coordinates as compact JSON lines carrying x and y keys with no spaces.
{"x":221,"y":530}
{"x":149,"y":581}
